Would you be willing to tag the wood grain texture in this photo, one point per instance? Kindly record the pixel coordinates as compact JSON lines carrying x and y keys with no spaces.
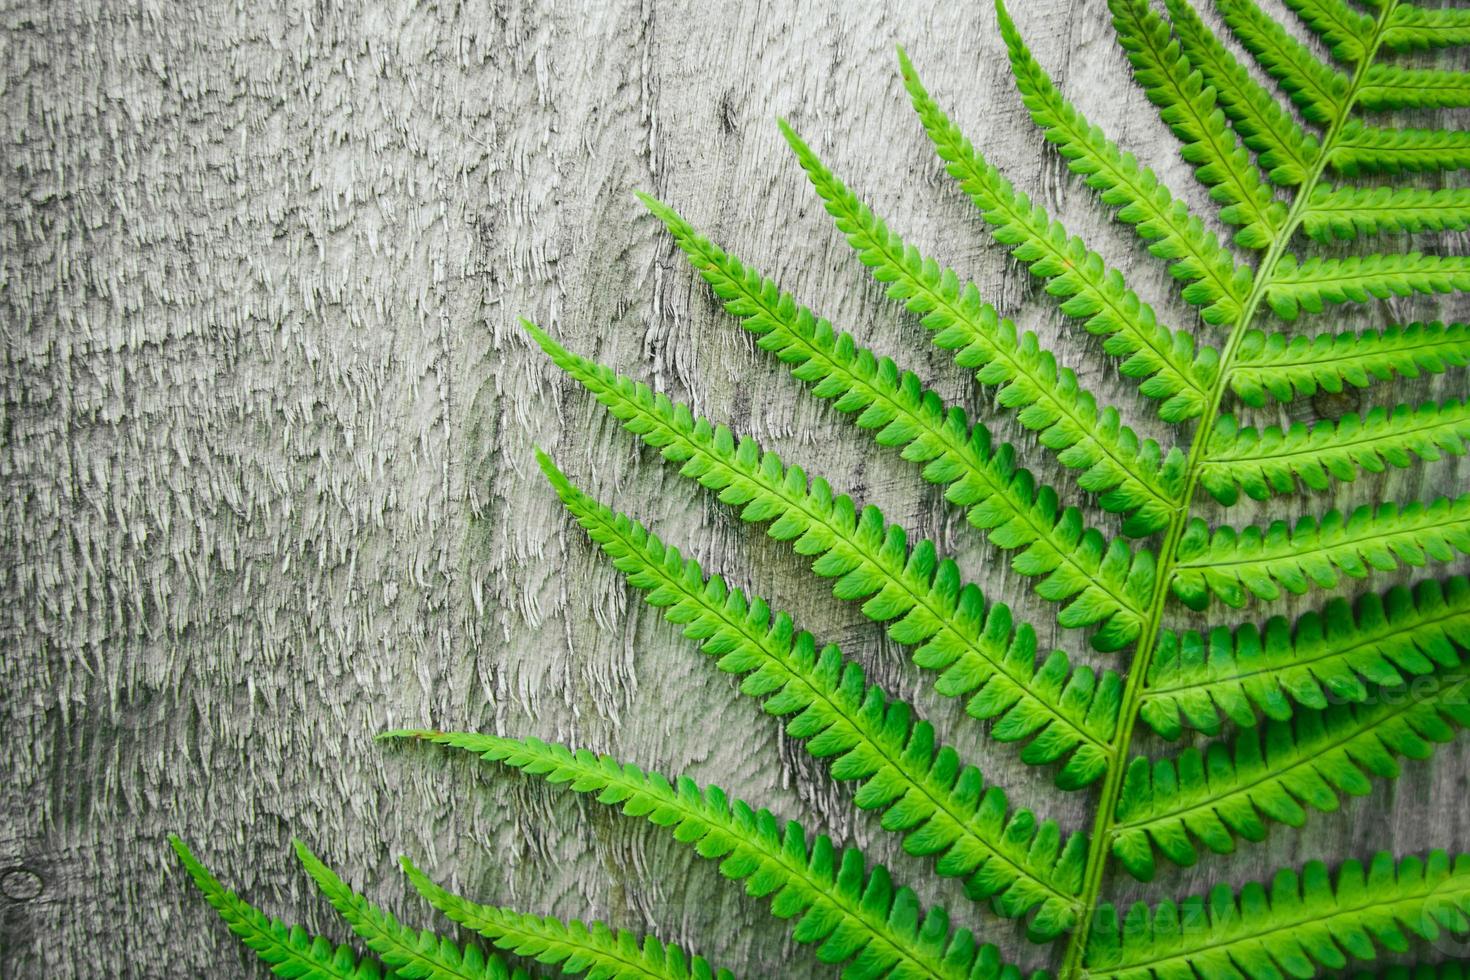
{"x":268,"y":485}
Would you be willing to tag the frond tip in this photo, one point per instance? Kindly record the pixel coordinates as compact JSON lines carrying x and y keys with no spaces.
{"x":1295,"y":926}
{"x":850,"y":913}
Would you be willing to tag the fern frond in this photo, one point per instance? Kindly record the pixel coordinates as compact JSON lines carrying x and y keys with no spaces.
{"x":940,"y":807}
{"x":1344,"y":213}
{"x":1126,"y":472}
{"x":1160,"y":217}
{"x":1290,"y":367}
{"x":1318,"y":91}
{"x":1415,"y":28}
{"x":412,"y":953}
{"x":1327,"y":657}
{"x":1389,"y":87}
{"x":1312,"y":284}
{"x":1187,"y":105}
{"x":1347,"y":32}
{"x":1271,"y":460}
{"x":848,"y":912}
{"x":1364,"y":149}
{"x":574,"y":947}
{"x":1277,"y":771}
{"x":1164,"y":361}
{"x":1285,"y":150}
{"x":1292,"y":927}
{"x":1261,"y":562}
{"x":920,"y":593}
{"x":291,"y":952}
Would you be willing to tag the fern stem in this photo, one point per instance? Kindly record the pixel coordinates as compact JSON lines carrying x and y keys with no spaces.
{"x":1104,"y":820}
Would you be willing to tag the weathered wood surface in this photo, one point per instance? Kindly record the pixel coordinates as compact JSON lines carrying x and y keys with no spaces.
{"x":268,"y":425}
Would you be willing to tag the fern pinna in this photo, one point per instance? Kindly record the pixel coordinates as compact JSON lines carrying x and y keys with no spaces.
{"x":1291,"y":716}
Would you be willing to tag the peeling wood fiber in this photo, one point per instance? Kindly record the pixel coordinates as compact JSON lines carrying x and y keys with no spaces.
{"x":266,"y":474}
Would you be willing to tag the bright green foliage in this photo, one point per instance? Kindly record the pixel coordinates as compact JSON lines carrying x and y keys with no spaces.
{"x":1128,"y":473}
{"x":1411,"y":28}
{"x":1338,"y":655}
{"x":292,"y":953}
{"x":1287,"y":368}
{"x":848,"y":912}
{"x":1312,"y":284}
{"x":1233,"y":565}
{"x":1157,"y":215}
{"x":1370,"y":150}
{"x":941,"y":807}
{"x":575,"y":947}
{"x":1318,"y":90}
{"x":1387,"y":87}
{"x":1348,"y":212}
{"x":1294,"y":926}
{"x":1283,"y":149}
{"x":979,"y":653}
{"x":1165,"y":361}
{"x":1275,"y":772}
{"x":1346,"y":31}
{"x":1187,"y":104}
{"x":1271,"y":460}
{"x":411,"y":953}
{"x":1276,"y":719}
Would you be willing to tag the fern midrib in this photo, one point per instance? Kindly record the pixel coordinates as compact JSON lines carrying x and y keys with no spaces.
{"x":1365,"y":437}
{"x":1271,"y":773}
{"x":1138,"y":670}
{"x":859,"y":725}
{"x":1427,"y":891}
{"x":851,"y":911}
{"x":1153,"y":692}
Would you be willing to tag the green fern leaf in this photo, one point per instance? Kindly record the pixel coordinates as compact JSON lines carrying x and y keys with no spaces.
{"x":848,"y":912}
{"x":978,"y":653}
{"x":1392,"y":87}
{"x":1271,"y":460}
{"x":1368,"y":150}
{"x":1165,"y":361}
{"x":940,"y":807}
{"x":1346,"y":212}
{"x":1290,"y":367}
{"x":1346,"y":32}
{"x":291,"y":952}
{"x":1285,"y":150}
{"x":1413,"y":28}
{"x":412,"y":953}
{"x":1327,"y":657}
{"x":1127,"y":473}
{"x":1318,"y":91}
{"x":1158,"y":216}
{"x":1311,"y":285}
{"x":1262,"y":562}
{"x":1187,"y":105}
{"x":1277,"y":771}
{"x":574,"y":947}
{"x":1291,"y":927}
